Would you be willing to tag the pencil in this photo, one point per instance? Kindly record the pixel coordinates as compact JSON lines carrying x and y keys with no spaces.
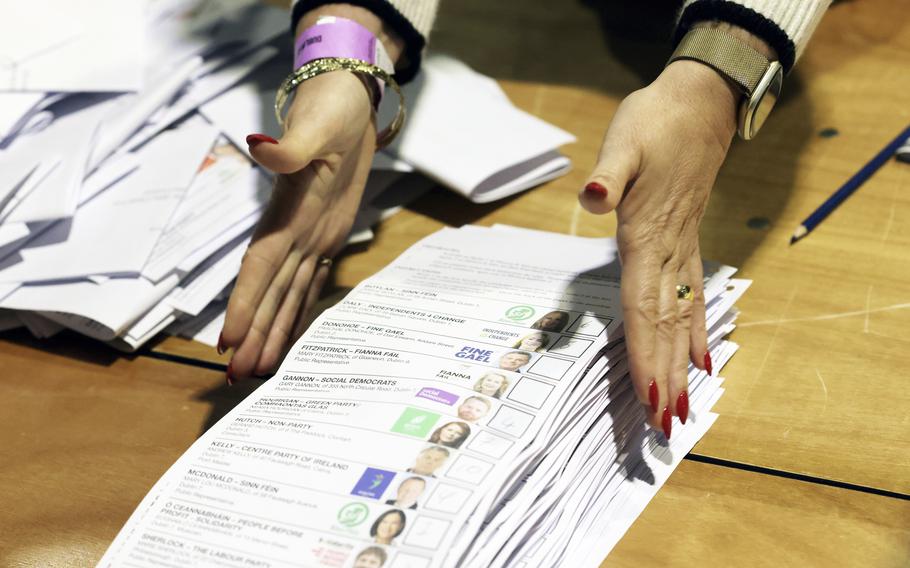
{"x":849,"y":187}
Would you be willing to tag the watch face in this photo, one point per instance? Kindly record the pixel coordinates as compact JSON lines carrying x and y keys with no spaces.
{"x":762,"y":100}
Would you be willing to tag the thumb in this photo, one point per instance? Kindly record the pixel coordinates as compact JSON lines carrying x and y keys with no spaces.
{"x":287,"y":155}
{"x":617,"y":166}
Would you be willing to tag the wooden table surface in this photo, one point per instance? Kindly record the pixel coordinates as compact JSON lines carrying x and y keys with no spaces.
{"x":809,"y":463}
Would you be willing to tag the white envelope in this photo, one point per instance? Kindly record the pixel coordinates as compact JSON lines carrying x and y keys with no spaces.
{"x":114,"y":233}
{"x":179,"y":29}
{"x":13,"y":108}
{"x":61,"y":45}
{"x":101,"y":311}
{"x":65,"y":144}
{"x":226,"y":196}
{"x":464,"y":133}
{"x":197,"y":92}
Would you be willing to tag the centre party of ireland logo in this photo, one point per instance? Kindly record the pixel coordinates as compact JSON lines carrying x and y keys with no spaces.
{"x":373,"y":483}
{"x":520,"y":313}
{"x":353,"y":514}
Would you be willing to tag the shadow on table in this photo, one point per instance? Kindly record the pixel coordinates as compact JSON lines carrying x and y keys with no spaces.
{"x":68,"y":344}
{"x":616,"y":47}
{"x":223,"y":399}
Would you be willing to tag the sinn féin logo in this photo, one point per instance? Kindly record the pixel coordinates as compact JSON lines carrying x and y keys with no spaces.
{"x":520,"y":313}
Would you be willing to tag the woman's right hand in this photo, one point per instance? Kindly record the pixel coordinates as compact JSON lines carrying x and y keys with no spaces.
{"x":322,"y":162}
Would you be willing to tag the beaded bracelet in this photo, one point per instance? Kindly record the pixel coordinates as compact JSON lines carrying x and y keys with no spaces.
{"x":329,"y":64}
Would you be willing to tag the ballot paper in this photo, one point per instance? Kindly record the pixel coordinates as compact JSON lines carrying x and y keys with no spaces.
{"x":469,"y":405}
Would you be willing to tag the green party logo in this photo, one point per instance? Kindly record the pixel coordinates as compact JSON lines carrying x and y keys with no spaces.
{"x":520,"y":313}
{"x":415,"y":422}
{"x":353,"y":514}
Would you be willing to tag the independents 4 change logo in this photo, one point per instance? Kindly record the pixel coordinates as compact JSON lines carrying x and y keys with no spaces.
{"x":353,"y":514}
{"x":520,"y":313}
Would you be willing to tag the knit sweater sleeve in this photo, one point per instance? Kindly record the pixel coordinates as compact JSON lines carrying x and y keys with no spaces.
{"x":785,"y":25}
{"x":410,"y":19}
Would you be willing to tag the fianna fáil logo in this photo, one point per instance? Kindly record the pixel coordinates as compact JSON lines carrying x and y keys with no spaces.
{"x":520,"y":313}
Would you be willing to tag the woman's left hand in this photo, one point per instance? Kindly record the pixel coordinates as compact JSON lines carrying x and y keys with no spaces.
{"x":658,"y":162}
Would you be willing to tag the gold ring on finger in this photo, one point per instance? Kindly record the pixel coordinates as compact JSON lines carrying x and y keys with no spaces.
{"x":324,"y":261}
{"x":684,"y":292}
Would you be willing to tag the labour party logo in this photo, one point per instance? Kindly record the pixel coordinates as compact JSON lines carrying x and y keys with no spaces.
{"x":520,"y":313}
{"x":353,"y":514}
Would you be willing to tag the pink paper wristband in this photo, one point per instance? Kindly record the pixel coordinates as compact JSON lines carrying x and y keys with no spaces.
{"x":339,"y":37}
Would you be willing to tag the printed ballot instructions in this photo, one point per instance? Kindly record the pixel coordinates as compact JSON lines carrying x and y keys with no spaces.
{"x":466,"y":406}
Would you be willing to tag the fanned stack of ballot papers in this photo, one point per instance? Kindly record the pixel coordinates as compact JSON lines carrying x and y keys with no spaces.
{"x":127,"y":195}
{"x":469,"y":405}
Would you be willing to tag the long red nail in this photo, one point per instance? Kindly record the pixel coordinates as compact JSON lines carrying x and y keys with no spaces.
{"x":708,"y":366}
{"x":653,"y":395}
{"x":229,"y":374}
{"x":667,"y":422}
{"x":682,"y":406}
{"x":595,"y":188}
{"x":221,"y":348}
{"x":253,"y":139}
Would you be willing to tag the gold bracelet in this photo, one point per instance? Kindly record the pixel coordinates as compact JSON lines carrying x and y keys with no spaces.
{"x":329,"y":64}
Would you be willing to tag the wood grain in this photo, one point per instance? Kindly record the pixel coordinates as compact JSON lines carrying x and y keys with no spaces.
{"x":86,"y":433}
{"x":714,"y":516}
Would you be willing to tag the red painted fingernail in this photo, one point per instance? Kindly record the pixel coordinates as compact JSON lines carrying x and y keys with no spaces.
{"x":221,"y":348}
{"x":708,"y":366}
{"x":667,"y":422}
{"x":682,"y":406}
{"x":595,"y":188}
{"x":229,"y":375}
{"x":253,"y":139}
{"x":653,"y":395}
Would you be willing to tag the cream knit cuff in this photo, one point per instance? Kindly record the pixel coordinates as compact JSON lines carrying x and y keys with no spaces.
{"x":786,"y":25}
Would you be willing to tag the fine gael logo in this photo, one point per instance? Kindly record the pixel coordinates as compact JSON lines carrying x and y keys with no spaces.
{"x":520,"y":313}
{"x":353,"y":514}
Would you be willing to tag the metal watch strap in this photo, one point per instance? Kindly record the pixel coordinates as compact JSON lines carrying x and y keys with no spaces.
{"x":725,"y":53}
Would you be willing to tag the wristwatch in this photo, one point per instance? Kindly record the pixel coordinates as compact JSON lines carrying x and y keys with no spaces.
{"x":758,"y":78}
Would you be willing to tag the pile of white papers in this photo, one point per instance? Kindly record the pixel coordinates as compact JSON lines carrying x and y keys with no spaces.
{"x":127,"y":195}
{"x":467,"y":406}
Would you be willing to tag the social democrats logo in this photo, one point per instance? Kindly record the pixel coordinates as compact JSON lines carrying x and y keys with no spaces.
{"x":520,"y":313}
